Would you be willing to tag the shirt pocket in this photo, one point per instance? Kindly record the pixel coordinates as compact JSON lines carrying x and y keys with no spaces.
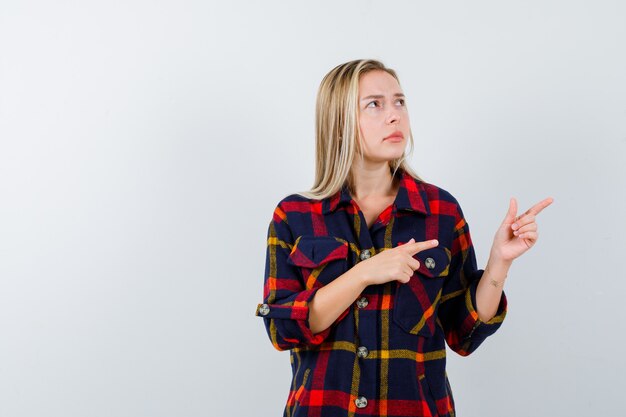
{"x":321,"y":259}
{"x":416,"y":301}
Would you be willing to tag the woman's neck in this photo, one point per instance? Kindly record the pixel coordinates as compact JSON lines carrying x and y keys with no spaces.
{"x":374,"y":183}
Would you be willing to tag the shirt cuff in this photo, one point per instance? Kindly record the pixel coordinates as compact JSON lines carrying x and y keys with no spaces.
{"x":292,"y":319}
{"x":474,"y":327}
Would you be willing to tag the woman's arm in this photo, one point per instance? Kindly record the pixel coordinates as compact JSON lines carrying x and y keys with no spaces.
{"x":489,"y":289}
{"x":515,"y":236}
{"x":285,"y":307}
{"x":334,"y":298}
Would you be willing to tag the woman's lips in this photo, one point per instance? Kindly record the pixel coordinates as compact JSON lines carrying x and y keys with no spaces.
{"x":395,"y":137}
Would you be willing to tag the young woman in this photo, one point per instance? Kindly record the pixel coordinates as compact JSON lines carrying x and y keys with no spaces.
{"x":372,"y":271}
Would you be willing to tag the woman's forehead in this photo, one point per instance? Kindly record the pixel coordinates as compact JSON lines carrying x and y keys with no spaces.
{"x":378,"y":82}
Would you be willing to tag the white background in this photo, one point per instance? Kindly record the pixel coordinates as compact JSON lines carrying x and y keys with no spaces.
{"x":144,"y":145}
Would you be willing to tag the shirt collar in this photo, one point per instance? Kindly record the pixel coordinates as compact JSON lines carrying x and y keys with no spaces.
{"x":411,"y":196}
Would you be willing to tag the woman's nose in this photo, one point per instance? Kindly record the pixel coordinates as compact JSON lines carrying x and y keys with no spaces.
{"x":393,"y":116}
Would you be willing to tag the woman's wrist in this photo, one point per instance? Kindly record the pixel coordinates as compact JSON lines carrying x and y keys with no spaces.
{"x":490,"y":287}
{"x":497,"y":270}
{"x":360,"y":275}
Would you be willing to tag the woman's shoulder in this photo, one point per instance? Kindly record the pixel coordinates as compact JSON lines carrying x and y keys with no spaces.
{"x":293,"y":203}
{"x":295,"y":198}
{"x":435,"y":192}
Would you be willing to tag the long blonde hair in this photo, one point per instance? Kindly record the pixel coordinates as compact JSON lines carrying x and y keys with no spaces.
{"x":337,"y":138}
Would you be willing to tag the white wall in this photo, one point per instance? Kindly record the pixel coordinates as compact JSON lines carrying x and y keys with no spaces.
{"x":143,"y":146}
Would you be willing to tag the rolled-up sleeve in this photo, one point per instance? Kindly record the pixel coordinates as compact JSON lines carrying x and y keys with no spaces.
{"x":464,"y":331}
{"x":285,"y":307}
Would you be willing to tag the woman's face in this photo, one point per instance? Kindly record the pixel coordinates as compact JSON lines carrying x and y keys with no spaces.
{"x":383,"y":117}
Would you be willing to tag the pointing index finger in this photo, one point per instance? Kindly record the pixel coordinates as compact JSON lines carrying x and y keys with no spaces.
{"x":417,"y":247}
{"x":536,"y":209}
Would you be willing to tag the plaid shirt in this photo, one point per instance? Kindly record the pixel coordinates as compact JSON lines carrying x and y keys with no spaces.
{"x":385,"y":355}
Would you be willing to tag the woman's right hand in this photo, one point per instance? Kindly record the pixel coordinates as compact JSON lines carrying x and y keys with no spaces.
{"x":393,"y":264}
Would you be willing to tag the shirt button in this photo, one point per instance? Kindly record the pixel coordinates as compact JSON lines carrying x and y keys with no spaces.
{"x":365,"y":254}
{"x":362,"y":352}
{"x":264,"y":309}
{"x":360,"y":402}
{"x":430,"y":263}
{"x":362,"y":302}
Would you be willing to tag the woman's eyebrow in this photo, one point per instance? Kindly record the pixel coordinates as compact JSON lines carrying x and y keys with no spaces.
{"x":379,"y":96}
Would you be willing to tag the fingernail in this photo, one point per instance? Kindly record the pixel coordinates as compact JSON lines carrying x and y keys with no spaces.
{"x":516,"y":233}
{"x":434,"y":242}
{"x":515,"y":226}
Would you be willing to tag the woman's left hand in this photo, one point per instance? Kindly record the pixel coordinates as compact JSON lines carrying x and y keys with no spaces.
{"x":517,"y":234}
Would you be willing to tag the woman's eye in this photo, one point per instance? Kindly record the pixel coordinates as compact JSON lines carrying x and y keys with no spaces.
{"x":372,"y":104}
{"x":401,"y":101}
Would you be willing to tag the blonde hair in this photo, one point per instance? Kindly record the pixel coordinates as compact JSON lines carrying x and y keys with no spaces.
{"x":337,"y":138}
